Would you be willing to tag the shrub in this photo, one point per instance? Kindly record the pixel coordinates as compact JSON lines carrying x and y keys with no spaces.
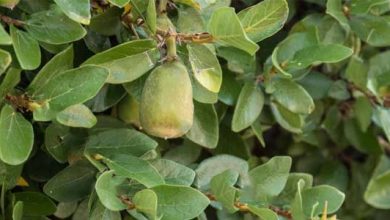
{"x":194,"y":109}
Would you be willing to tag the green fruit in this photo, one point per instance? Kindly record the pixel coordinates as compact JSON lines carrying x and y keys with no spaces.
{"x":128,"y":110}
{"x":9,"y":3}
{"x":167,"y":109}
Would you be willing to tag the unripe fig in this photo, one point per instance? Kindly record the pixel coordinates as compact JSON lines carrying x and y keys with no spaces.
{"x":167,"y":108}
{"x":128,"y":110}
{"x":8,"y":3}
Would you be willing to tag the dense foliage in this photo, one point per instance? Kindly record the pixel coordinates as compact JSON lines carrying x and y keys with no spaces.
{"x":194,"y":109}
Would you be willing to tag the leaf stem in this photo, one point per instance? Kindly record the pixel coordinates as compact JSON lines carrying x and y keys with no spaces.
{"x":11,"y":21}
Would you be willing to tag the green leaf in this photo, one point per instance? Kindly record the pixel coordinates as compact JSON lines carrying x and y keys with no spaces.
{"x":190,"y":20}
{"x":9,"y":3}
{"x":174,"y":173}
{"x":383,"y":115}
{"x":61,"y":62}
{"x":290,"y":190}
{"x":77,"y":115}
{"x":371,"y":29}
{"x":249,"y":106}
{"x":128,"y":61}
{"x":44,"y":26}
{"x":264,"y":19}
{"x":362,"y":7}
{"x":270,"y":178}
{"x":145,"y":201}
{"x":151,"y":16}
{"x":263,"y":213}
{"x":179,"y":202}
{"x":26,"y":49}
{"x":323,"y":53}
{"x":316,"y":84}
{"x":334,"y":8}
{"x":238,"y":60}
{"x":119,"y":3}
{"x":363,"y":111}
{"x":126,"y":141}
{"x":5,"y":60}
{"x":366,"y":142}
{"x":57,"y":141}
{"x":226,"y":29}
{"x":134,"y":168}
{"x":257,"y":129}
{"x":314,"y":199}
{"x":288,"y":120}
{"x":71,"y":87}
{"x":205,"y":67}
{"x":357,"y":71}
{"x":222,"y":187}
{"x":339,"y":90}
{"x":11,"y":79}
{"x":377,"y":192}
{"x":296,"y":205}
{"x":205,"y":128}
{"x":17,"y":211}
{"x":107,"y":23}
{"x":72,"y":183}
{"x":292,"y":96}
{"x":107,"y":190}
{"x":213,"y":166}
{"x":5,"y":39}
{"x":192,"y":3}
{"x":16,"y":135}
{"x":98,"y":211}
{"x":77,"y":10}
{"x":35,"y":203}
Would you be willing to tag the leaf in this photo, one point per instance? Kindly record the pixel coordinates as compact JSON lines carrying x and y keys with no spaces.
{"x":5,"y":39}
{"x":263,"y":213}
{"x":339,"y":90}
{"x":98,"y":211}
{"x":366,"y":142}
{"x":230,"y":89}
{"x":371,"y":29}
{"x":257,"y":129}
{"x":205,"y":128}
{"x":17,"y":212}
{"x":119,"y":141}
{"x":134,"y":168}
{"x":192,"y":3}
{"x":205,"y":67}
{"x":357,"y":71}
{"x":77,"y":10}
{"x":77,"y":115}
{"x":363,"y":111}
{"x":107,"y":23}
{"x":16,"y":135}
{"x":185,"y":154}
{"x":383,"y":115}
{"x":316,"y":84}
{"x":11,"y":79}
{"x":106,"y":189}
{"x":249,"y":106}
{"x":128,"y":61}
{"x":44,"y":26}
{"x":9,"y":3}
{"x":293,"y":97}
{"x":296,"y":205}
{"x":288,"y":120}
{"x":334,"y":8}
{"x":5,"y":60}
{"x":72,"y":183}
{"x":145,"y":201}
{"x":264,"y":19}
{"x":26,"y":49}
{"x":190,"y":20}
{"x":213,"y":166}
{"x":119,"y":3}
{"x":314,"y":199}
{"x":151,"y":16}
{"x":35,"y":203}
{"x":323,"y":53}
{"x":61,"y":62}
{"x":226,"y":29}
{"x":270,"y":178}
{"x":179,"y":202}
{"x":71,"y":87}
{"x":222,"y":187}
{"x":174,"y":173}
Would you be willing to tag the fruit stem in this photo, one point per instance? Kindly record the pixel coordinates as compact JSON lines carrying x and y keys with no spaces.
{"x":171,"y":48}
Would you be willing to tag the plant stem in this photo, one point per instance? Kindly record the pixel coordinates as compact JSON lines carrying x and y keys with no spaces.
{"x":162,"y":7}
{"x":171,"y":48}
{"x":11,"y":21}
